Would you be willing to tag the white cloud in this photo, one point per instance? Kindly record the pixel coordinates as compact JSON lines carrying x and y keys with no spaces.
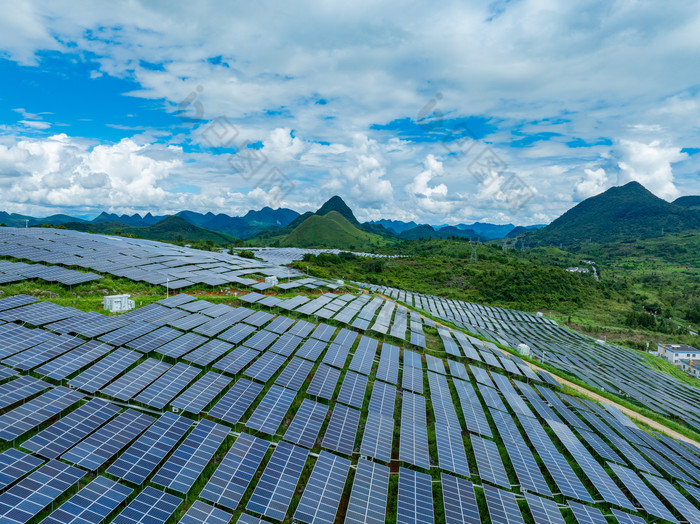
{"x":432,"y":199}
{"x":650,"y":165}
{"x":608,"y":69}
{"x":594,"y":182}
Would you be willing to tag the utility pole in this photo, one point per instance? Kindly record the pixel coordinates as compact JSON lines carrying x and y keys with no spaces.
{"x":474,"y":257}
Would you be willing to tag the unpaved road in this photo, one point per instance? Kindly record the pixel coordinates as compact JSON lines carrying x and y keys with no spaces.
{"x":599,"y":398}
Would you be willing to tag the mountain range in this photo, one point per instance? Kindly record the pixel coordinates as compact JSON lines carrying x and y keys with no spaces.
{"x":620,"y":213}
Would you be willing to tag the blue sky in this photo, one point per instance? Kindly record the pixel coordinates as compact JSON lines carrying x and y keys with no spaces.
{"x":491,"y":111}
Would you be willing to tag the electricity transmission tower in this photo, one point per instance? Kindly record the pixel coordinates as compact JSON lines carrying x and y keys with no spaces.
{"x":474,"y":257}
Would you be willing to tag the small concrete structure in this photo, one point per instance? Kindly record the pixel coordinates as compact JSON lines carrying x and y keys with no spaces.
{"x":524,"y":350}
{"x":118,"y":303}
{"x":271,"y":281}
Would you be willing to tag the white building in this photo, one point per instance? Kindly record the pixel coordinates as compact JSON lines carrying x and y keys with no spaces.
{"x":117,"y":303}
{"x":271,"y":281}
{"x":692,"y":367}
{"x":675,"y":352}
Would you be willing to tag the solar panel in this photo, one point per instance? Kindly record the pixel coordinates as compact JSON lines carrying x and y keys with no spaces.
{"x":19,"y":389}
{"x":198,"y":396}
{"x":99,"y":374}
{"x":6,"y":373}
{"x":76,"y":359}
{"x":176,"y":300}
{"x":164,"y":389}
{"x":154,"y":340}
{"x":641,"y":492}
{"x":412,"y":379}
{"x":626,"y":518}
{"x":363,"y":359}
{"x":489,"y":462}
{"x":370,"y":490}
{"x":269,"y":414}
{"x":322,"y":493}
{"x":411,"y":359}
{"x":544,"y":511}
{"x":258,"y":318}
{"x":129,"y":385}
{"x":693,"y":490}
{"x":450,"y":446}
{"x":235,"y":361}
{"x":336,"y":355}
{"x":312,"y":349}
{"x":69,"y":430}
{"x":247,"y":519}
{"x":302,"y":328}
{"x":15,"y":338}
{"x":230,"y":481}
{"x":144,"y":455}
{"x":323,"y":332}
{"x":503,"y":507}
{"x":482,"y":376}
{"x":280,"y":324}
{"x":93,"y":503}
{"x":215,"y":326}
{"x":342,"y":429}
{"x":40,"y":409}
{"x":413,"y":442}
{"x":286,"y":344}
{"x":376,"y":441}
{"x":382,"y":399}
{"x":472,"y":409}
{"x":181,"y":345}
{"x":304,"y":428}
{"x":388,"y":369}
{"x":459,"y":500}
{"x":276,"y":486}
{"x":587,"y":514}
{"x":599,"y":445}
{"x":294,"y":374}
{"x":677,"y":501}
{"x":127,"y":333}
{"x":261,"y":340}
{"x":324,"y":381}
{"x":203,"y":513}
{"x":435,"y":364}
{"x":107,"y":441}
{"x":190,"y":458}
{"x":236,"y":401}
{"x":265,"y":367}
{"x":492,"y":398}
{"x":151,"y":506}
{"x":415,"y":498}
{"x":352,"y":391}
{"x":14,"y":464}
{"x":37,"y":355}
{"x":593,"y":470}
{"x":413,"y":408}
{"x":208,"y":352}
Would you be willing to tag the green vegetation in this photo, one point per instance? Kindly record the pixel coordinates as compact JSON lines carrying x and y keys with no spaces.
{"x":331,"y":230}
{"x":172,"y":229}
{"x":659,"y":275}
{"x":621,"y":213}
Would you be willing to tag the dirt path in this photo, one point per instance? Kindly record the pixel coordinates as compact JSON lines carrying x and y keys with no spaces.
{"x":599,"y":398}
{"x":629,"y":412}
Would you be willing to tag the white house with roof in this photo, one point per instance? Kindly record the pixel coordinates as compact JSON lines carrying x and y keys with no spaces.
{"x":674,"y":353}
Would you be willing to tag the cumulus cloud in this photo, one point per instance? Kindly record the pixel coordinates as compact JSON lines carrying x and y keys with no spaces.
{"x":363,"y":176}
{"x":650,"y":165}
{"x":315,"y":105}
{"x":595,"y":181}
{"x":432,"y":199}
